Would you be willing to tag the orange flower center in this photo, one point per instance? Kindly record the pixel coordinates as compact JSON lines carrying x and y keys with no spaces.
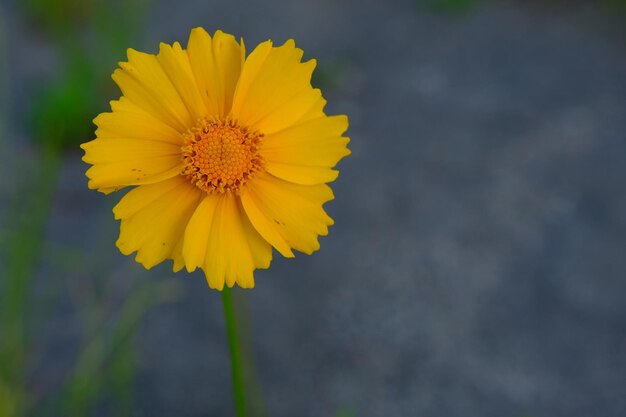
{"x":220,"y":156}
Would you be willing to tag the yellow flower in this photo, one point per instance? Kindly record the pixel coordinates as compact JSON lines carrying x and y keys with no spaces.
{"x":230,"y":156}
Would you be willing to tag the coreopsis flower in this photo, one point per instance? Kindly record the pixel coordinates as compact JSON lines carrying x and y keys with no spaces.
{"x":228,"y":155}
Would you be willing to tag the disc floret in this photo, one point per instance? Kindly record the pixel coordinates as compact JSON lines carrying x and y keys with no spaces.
{"x":220,"y":156}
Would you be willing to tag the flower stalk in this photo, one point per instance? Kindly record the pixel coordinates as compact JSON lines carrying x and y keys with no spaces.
{"x":235,"y":353}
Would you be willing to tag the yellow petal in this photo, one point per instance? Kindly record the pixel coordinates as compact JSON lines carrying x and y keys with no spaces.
{"x":102,"y":151}
{"x":314,"y":112}
{"x":290,"y":111}
{"x":175,"y":63}
{"x":287,"y":215}
{"x":260,"y":249}
{"x":249,"y":71}
{"x":305,"y":153}
{"x":302,"y":174}
{"x":197,"y":233}
{"x":257,"y":213}
{"x":144,"y":82}
{"x":221,"y":240}
{"x":141,"y":197}
{"x":216,"y":64}
{"x":273,"y":80}
{"x":154,"y":218}
{"x":118,"y":163}
{"x":127,"y":120}
{"x":177,"y":254}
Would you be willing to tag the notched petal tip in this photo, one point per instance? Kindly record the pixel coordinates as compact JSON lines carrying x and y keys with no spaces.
{"x":163,"y":46}
{"x":117,"y":73}
{"x":199,"y":29}
{"x":144,"y":260}
{"x":311,"y":63}
{"x":343,"y":121}
{"x":215,"y":283}
{"x":91,"y":185}
{"x":117,"y":212}
{"x":98,"y":119}
{"x":133,"y":54}
{"x":123,"y":247}
{"x":243,"y":282}
{"x":264,"y":45}
{"x":346,"y":151}
{"x":177,"y":266}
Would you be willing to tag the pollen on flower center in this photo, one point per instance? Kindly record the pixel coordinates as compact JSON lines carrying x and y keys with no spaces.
{"x":220,"y":156}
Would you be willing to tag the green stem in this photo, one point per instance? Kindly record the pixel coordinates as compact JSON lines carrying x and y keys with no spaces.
{"x":235,"y":354}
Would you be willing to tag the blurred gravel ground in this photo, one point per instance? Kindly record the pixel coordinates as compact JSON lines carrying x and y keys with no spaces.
{"x":477,"y":263}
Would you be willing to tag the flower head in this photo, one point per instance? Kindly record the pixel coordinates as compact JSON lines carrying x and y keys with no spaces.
{"x":228,"y":155}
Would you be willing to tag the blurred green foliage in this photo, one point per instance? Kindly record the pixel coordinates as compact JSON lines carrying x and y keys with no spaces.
{"x":90,"y":36}
{"x":345,"y":412}
{"x":22,"y":247}
{"x":104,"y":366}
{"x":61,"y":114}
{"x":618,"y":3}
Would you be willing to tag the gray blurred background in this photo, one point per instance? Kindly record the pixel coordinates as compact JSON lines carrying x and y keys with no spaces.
{"x":477,"y":266}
